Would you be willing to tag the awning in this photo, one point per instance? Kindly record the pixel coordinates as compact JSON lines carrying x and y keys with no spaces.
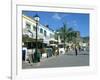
{"x":53,"y":45}
{"x":52,"y":39}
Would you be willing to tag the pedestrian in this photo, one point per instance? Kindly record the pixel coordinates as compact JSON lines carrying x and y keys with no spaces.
{"x":76,"y":53}
{"x":30,"y":54}
{"x":79,"y":47}
{"x":56,"y":52}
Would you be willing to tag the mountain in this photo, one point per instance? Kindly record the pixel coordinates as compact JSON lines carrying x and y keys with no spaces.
{"x":85,"y":39}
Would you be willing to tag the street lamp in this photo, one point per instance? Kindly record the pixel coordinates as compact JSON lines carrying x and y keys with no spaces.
{"x":58,"y":41}
{"x":36,"y":54}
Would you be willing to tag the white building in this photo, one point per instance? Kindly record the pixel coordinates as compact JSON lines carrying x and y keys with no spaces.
{"x":29,"y":28}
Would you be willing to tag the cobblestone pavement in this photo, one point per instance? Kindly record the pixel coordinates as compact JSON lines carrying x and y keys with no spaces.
{"x":67,"y":60}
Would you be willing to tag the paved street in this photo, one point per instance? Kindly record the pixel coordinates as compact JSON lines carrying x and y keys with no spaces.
{"x":66,"y":60}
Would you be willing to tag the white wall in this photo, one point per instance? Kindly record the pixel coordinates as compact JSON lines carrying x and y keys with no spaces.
{"x":40,"y":35}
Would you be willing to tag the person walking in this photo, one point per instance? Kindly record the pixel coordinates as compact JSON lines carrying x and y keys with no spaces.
{"x":79,"y":47}
{"x":76,"y":53}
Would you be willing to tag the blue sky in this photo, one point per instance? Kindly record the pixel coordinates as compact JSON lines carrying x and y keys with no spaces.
{"x":55,"y":20}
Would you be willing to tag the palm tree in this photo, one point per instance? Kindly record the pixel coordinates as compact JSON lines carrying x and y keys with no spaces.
{"x":67,"y":34}
{"x":72,"y":35}
{"x":63,"y":32}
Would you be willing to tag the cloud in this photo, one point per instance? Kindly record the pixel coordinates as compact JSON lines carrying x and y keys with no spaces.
{"x":72,"y":23}
{"x":57,"y":16}
{"x":75,"y":23}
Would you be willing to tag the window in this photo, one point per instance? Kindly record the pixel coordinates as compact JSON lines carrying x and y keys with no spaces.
{"x":41,"y":30}
{"x":51,"y":35}
{"x":61,"y":45}
{"x":34,"y":28}
{"x":45,"y":33}
{"x":28,"y":25}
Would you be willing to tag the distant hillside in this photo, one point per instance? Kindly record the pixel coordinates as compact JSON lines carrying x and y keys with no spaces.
{"x":85,"y":39}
